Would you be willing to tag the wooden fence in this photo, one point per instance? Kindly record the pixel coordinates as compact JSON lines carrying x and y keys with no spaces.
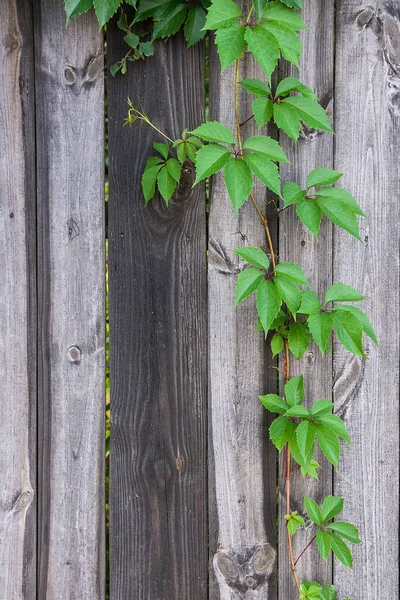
{"x":193,"y":493}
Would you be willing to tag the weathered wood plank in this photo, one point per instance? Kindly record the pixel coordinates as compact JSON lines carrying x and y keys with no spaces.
{"x":366,"y":392}
{"x":298,"y":245}
{"x":158,"y":304}
{"x":70,"y":122}
{"x":242,"y":466}
{"x":17,"y":304}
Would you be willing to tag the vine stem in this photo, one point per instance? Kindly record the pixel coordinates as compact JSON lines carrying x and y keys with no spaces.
{"x":304,"y":550}
{"x":287,"y":358}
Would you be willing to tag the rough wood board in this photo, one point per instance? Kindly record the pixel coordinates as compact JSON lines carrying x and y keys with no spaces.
{"x":158,"y":304}
{"x":298,"y":245}
{"x":242,"y":474}
{"x":367,"y":391}
{"x":17,"y":305}
{"x":70,"y":122}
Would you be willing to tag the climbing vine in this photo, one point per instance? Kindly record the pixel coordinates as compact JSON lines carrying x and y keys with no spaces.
{"x":289,"y":312}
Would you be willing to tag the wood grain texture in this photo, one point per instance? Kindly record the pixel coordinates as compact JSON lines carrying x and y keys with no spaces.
{"x":298,"y":245}
{"x":70,"y":124}
{"x":242,"y":479}
{"x":17,"y":305}
{"x":366,"y":392}
{"x":158,"y":304}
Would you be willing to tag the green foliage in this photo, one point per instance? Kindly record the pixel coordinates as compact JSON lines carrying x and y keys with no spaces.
{"x":294,"y":521}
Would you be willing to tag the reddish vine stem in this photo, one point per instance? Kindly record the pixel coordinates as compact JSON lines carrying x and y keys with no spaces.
{"x":246,"y":121}
{"x":304,"y":550}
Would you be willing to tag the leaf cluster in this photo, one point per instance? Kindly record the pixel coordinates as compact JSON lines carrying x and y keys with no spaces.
{"x":311,"y":590}
{"x":302,"y":428}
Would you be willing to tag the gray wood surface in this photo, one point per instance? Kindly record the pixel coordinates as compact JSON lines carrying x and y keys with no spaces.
{"x":17,"y":305}
{"x":367,"y":149}
{"x":242,"y":479}
{"x":70,"y":142}
{"x":158,"y":304}
{"x":298,"y":245}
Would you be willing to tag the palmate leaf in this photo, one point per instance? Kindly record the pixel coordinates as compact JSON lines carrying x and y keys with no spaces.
{"x":162,"y":148}
{"x":341,"y":550}
{"x":166,"y":183}
{"x":310,"y":303}
{"x":263,"y":144}
{"x":276,"y":11}
{"x":288,"y":40}
{"x":76,"y":7}
{"x":362,"y":317}
{"x":292,"y":193}
{"x":309,"y":111}
{"x":194,"y":24}
{"x":255,"y":86}
{"x":213,"y":131}
{"x":340,"y":292}
{"x":268,"y":304}
{"x":281,"y":431}
{"x":262,"y":110}
{"x":264,"y":47}
{"x":321,"y":326}
{"x":293,"y":3}
{"x":340,"y":213}
{"x":310,"y":214}
{"x":323,"y":543}
{"x":321,"y":407}
{"x":259,"y":6}
{"x":293,"y":84}
{"x":274,"y":403}
{"x":210,"y":160}
{"x":349,"y":330}
{"x":289,"y":292}
{"x":343,"y":196}
{"x":294,"y":390}
{"x":322,"y":176}
{"x":230,"y":43}
{"x":305,"y":434}
{"x":287,"y":119}
{"x":293,"y":271}
{"x":149,"y":180}
{"x":346,"y":530}
{"x":328,"y":441}
{"x":299,"y":339}
{"x":105,"y":9}
{"x":313,"y":511}
{"x":238,"y":181}
{"x":277,"y":344}
{"x":222,"y":13}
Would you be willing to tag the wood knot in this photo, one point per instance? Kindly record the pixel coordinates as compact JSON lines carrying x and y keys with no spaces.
{"x":245,"y":568}
{"x":364,"y":18}
{"x":73,"y":229}
{"x":69,"y":75}
{"x":185,"y":186}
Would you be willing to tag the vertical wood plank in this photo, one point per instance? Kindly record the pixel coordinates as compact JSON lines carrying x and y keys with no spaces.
{"x":367,"y":391}
{"x":17,"y":304}
{"x":298,"y":245}
{"x":242,"y":465}
{"x":70,"y":124}
{"x":158,"y":307}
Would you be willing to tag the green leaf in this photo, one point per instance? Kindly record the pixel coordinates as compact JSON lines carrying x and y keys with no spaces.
{"x":247,"y":282}
{"x":238,"y":181}
{"x":274,"y":403}
{"x":329,"y":443}
{"x":149,"y":179}
{"x":336,"y":424}
{"x":293,"y":3}
{"x":259,"y":6}
{"x":332,"y":506}
{"x":268,"y":304}
{"x":341,"y":551}
{"x":305,"y":433}
{"x":293,"y":271}
{"x":115,"y":68}
{"x":292,"y":84}
{"x":275,"y":11}
{"x":264,"y":47}
{"x":174,"y":169}
{"x":323,"y":543}
{"x":340,"y":213}
{"x":311,"y":470}
{"x":362,"y":317}
{"x":313,"y":511}
{"x":254,"y":256}
{"x":213,"y":131}
{"x":321,"y":407}
{"x":146,"y":48}
{"x":294,"y":521}
{"x":222,"y":13}
{"x":194,"y":24}
{"x":262,"y":109}
{"x":342,"y":195}
{"x":262,"y":144}
{"x":310,"y":303}
{"x":309,"y":111}
{"x":321,"y":326}
{"x":299,"y":411}
{"x":346,"y":530}
{"x":289,"y":292}
{"x":265,"y":170}
{"x":163,"y":149}
{"x":281,"y":318}
{"x":322,"y":176}
{"x":209,"y":160}
{"x":281,"y":431}
{"x":292,"y":193}
{"x":76,"y":7}
{"x":349,"y":331}
{"x":299,"y":339}
{"x":105,"y":9}
{"x":340,"y":292}
{"x":230,"y":44}
{"x":277,"y":344}
{"x":132,"y":40}
{"x":166,"y":184}
{"x":288,"y":40}
{"x":287,"y":119}
{"x":255,"y":86}
{"x":294,"y":390}
{"x":310,"y":214}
